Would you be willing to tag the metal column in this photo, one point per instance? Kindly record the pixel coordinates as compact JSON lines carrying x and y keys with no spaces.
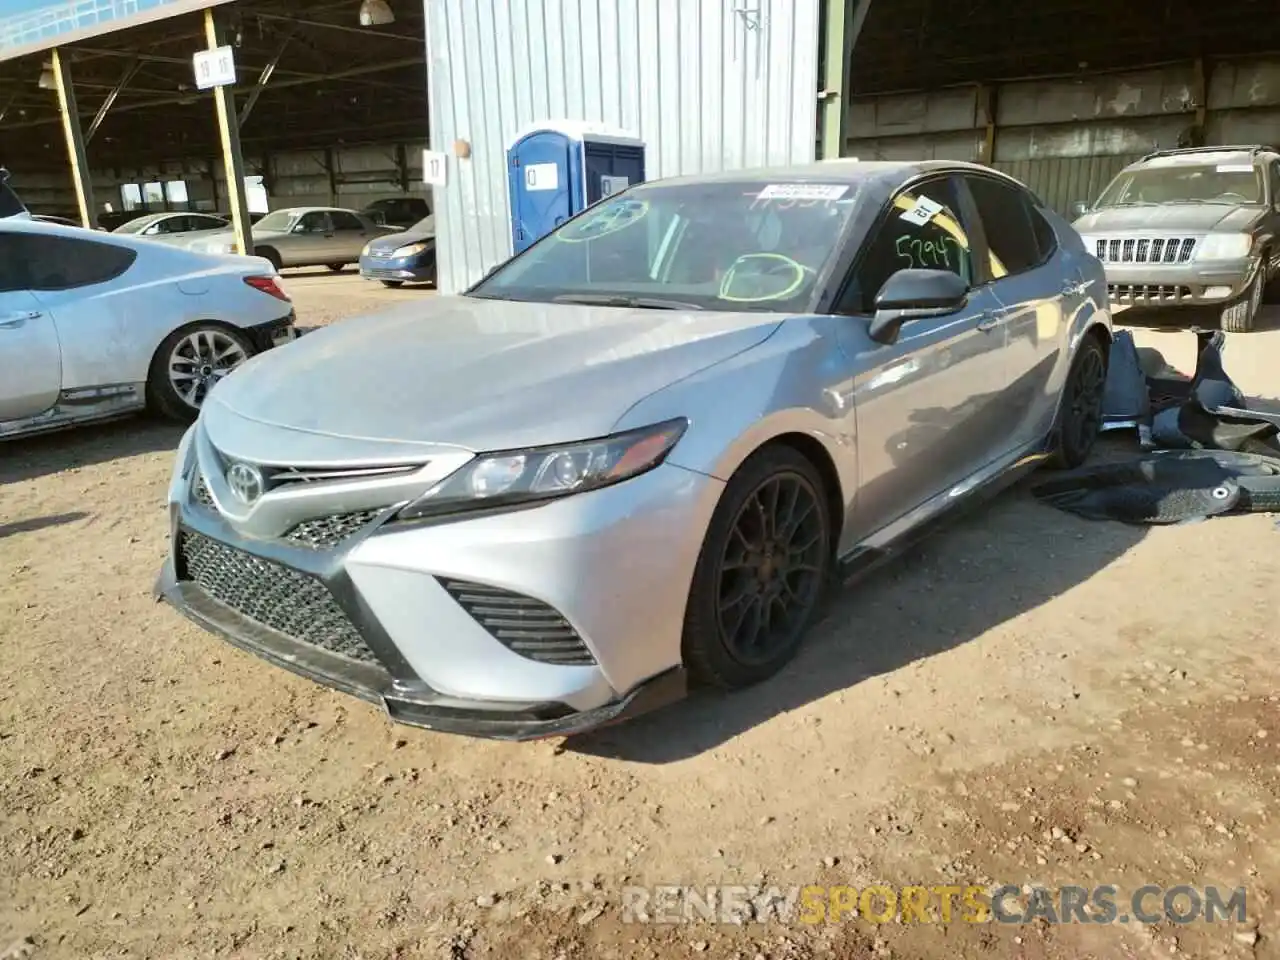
{"x":844,"y":19}
{"x":80,"y":176}
{"x":229,"y":130}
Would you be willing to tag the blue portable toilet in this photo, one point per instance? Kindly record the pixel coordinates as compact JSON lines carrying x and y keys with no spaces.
{"x":559,"y":168}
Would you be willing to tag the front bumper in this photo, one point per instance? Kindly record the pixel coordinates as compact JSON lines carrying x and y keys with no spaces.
{"x":412,"y":269}
{"x":615,"y":564}
{"x":1210,"y":284}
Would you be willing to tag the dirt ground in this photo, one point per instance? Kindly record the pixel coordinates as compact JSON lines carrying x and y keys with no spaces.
{"x":1026,"y":699}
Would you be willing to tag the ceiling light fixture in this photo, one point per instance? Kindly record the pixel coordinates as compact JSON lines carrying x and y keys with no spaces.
{"x":375,"y":13}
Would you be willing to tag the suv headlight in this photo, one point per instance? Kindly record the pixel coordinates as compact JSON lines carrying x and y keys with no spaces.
{"x":1225,"y":246}
{"x":545,"y":473}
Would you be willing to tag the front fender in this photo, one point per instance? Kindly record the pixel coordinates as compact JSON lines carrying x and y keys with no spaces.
{"x":789,"y":384}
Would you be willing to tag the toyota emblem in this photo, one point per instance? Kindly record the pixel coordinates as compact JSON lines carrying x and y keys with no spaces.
{"x":246,"y":483}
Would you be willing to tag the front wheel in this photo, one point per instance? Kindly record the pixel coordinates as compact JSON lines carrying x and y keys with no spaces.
{"x":190,"y":363}
{"x":1080,"y":418}
{"x":337,"y":267}
{"x":393,"y":284}
{"x":762,"y":571}
{"x":1242,"y":315}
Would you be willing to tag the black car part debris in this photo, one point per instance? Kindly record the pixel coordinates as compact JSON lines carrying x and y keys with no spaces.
{"x":1211,"y":455}
{"x":1167,"y":487}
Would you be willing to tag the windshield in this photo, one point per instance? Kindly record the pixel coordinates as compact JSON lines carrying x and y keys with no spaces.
{"x":722,"y":246}
{"x":135,"y":226}
{"x":281,"y":220}
{"x":425,"y":225}
{"x":1185,"y":183}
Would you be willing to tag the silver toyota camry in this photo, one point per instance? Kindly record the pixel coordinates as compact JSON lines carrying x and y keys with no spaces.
{"x":637,"y":454}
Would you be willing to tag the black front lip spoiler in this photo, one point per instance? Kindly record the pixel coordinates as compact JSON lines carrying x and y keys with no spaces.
{"x":420,"y":706}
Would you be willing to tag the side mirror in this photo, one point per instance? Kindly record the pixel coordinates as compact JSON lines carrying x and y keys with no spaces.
{"x":914,"y":295}
{"x":1079,"y":209}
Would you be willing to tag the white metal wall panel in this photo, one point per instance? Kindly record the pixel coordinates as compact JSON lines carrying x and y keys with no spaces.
{"x":707,"y":84}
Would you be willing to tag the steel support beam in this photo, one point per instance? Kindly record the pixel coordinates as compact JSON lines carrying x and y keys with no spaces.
{"x":263,"y":79}
{"x":129,"y":71}
{"x":844,"y":19}
{"x":224,"y":99}
{"x":987,"y":105}
{"x":80,"y":176}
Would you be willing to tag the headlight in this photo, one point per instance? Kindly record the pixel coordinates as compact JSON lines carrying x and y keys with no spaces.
{"x":544,"y":473}
{"x":413,"y":249}
{"x":1225,"y":246}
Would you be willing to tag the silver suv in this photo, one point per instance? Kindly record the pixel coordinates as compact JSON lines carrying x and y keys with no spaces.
{"x":1195,"y":227}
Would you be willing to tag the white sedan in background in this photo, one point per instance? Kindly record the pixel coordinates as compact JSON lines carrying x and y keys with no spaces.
{"x":175,"y":228}
{"x":93,"y":326}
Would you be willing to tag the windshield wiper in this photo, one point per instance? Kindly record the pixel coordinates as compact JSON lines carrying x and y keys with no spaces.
{"x":614,"y":300}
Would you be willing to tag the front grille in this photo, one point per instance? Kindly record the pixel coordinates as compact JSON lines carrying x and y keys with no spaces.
{"x":324,"y":533}
{"x":1147,"y":293}
{"x":1145,"y":249}
{"x":270,"y":594}
{"x":200,"y":492}
{"x":522,"y":624}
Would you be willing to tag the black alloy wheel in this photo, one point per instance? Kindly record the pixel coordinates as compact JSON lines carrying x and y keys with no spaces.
{"x":763,"y":571}
{"x":1081,"y":418}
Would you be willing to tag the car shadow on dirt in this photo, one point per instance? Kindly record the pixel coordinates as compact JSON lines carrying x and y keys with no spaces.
{"x":40,"y":523}
{"x":996,"y":562}
{"x":51,"y":453}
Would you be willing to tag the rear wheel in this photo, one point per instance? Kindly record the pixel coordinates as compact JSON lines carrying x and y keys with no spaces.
{"x":1242,"y":315}
{"x":762,"y":571}
{"x":189,"y":364}
{"x":393,"y":283}
{"x":1080,"y":418}
{"x":337,"y":267}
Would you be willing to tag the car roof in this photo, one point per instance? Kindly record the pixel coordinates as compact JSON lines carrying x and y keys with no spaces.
{"x":302,"y":210}
{"x":844,"y":170}
{"x":1204,"y":157}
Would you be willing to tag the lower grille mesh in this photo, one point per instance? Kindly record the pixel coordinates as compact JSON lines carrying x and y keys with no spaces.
{"x":275,"y":596}
{"x":522,"y":624}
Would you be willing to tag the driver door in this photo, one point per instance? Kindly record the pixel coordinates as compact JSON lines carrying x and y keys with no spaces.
{"x":927,"y":405}
{"x":311,"y":241}
{"x":30,"y":355}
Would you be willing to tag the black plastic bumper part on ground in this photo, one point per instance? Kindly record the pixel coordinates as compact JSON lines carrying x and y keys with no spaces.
{"x":420,"y":706}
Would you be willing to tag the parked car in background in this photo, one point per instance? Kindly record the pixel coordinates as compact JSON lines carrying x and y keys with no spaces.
{"x":397,"y":211}
{"x":402,"y":257}
{"x":1194,"y":227}
{"x":302,"y":237}
{"x":95,"y":325}
{"x":638,"y":451}
{"x":172,"y":227}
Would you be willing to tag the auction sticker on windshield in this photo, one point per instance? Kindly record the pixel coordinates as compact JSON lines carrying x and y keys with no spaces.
{"x":923,"y":211}
{"x":803,"y":191}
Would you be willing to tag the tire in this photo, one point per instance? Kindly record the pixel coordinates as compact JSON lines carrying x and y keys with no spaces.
{"x":182,"y":350}
{"x":1080,"y":417}
{"x":336,"y":267}
{"x":392,"y":283}
{"x":271,"y":255}
{"x":713,"y":647}
{"x":1241,"y":316}
{"x":1271,"y":292}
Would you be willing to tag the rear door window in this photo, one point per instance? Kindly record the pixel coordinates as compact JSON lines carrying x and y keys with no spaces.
{"x":343,"y":220}
{"x":1012,"y":243}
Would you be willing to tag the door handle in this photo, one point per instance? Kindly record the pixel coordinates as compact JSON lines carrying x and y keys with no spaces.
{"x":18,"y":319}
{"x":988,"y":322}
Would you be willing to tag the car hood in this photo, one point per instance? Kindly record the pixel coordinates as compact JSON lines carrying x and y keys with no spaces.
{"x":1191,"y":217}
{"x":393,"y":241}
{"x":464,"y":372}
